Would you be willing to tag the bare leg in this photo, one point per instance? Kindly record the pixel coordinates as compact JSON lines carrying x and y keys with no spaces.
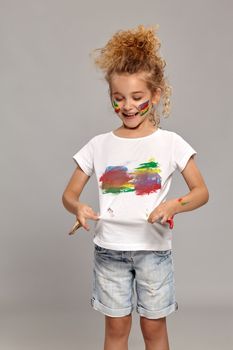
{"x":154,"y":333}
{"x":117,"y":331}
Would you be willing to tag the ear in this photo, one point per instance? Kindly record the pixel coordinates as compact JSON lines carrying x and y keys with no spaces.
{"x":156,"y":96}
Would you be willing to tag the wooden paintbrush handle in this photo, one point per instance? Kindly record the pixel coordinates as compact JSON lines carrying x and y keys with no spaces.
{"x":75,"y":227}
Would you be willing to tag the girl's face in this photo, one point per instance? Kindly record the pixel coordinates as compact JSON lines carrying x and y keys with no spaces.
{"x":131,"y":99}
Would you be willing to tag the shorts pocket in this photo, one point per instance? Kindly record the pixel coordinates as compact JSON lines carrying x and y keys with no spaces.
{"x":99,"y":249}
{"x":162,"y":256}
{"x":162,"y":252}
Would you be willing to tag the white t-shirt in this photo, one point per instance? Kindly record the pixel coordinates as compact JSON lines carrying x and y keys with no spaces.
{"x":133,"y":176}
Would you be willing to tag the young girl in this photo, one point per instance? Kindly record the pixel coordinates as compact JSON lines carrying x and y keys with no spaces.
{"x":134,"y":165}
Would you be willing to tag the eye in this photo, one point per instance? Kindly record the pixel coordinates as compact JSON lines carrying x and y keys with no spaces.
{"x":118,"y":99}
{"x":137,"y":98}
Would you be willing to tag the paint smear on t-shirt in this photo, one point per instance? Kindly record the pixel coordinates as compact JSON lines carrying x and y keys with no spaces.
{"x":144,"y":179}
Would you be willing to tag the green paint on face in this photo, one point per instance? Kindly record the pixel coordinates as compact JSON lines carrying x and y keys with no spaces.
{"x":115,"y":106}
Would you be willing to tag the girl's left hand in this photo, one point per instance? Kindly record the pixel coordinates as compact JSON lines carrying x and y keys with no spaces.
{"x":164,"y":211}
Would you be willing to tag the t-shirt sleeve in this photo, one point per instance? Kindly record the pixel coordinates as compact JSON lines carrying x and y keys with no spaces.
{"x":182,"y":151}
{"x":85,"y":158}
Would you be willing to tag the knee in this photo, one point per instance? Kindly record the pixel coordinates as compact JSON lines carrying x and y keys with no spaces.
{"x":152,"y":328}
{"x":118,"y":327}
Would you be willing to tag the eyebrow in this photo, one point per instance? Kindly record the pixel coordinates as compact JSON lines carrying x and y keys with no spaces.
{"x":134,"y":92}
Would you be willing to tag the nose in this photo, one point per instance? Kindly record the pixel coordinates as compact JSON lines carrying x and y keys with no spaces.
{"x":127,"y":105}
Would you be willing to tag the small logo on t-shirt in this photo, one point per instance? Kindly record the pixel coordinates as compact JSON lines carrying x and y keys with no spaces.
{"x":144,"y":179}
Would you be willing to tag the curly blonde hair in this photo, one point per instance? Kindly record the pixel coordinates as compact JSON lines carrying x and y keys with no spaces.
{"x":136,"y":51}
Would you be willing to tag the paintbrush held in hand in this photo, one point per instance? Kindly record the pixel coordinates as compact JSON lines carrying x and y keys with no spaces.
{"x":75,"y":227}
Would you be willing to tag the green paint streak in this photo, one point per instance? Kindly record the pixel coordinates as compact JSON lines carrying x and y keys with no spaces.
{"x":142,"y":113}
{"x":118,"y":190}
{"x":148,"y":165}
{"x":115,"y":105}
{"x":183,"y":203}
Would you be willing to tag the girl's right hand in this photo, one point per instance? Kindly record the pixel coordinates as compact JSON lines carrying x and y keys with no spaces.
{"x":84,"y":212}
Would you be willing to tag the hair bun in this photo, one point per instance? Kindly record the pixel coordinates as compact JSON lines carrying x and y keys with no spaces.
{"x":138,"y":44}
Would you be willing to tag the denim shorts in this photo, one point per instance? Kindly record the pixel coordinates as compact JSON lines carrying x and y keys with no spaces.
{"x":116,"y":274}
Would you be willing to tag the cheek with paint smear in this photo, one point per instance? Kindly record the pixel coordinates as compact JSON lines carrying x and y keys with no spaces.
{"x":115,"y":106}
{"x":143,"y":107}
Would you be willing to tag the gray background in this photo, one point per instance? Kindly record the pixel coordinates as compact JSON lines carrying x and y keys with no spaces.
{"x":53,"y":100}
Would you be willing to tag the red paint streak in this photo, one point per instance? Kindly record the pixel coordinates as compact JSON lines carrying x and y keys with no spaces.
{"x":144,"y":105}
{"x":115,"y":178}
{"x":147,"y":188}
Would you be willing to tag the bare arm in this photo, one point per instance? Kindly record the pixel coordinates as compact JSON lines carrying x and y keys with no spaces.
{"x":71,"y":195}
{"x":73,"y":190}
{"x":197,"y":196}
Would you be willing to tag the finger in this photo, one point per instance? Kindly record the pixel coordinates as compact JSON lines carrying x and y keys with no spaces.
{"x":92,"y":214}
{"x":153,"y":219}
{"x":91,"y":211}
{"x":95,"y":216}
{"x":164,"y":220}
{"x":83,"y":223}
{"x":158,"y":216}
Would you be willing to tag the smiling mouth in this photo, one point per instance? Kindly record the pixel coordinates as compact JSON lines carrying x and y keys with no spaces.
{"x":129,"y":115}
